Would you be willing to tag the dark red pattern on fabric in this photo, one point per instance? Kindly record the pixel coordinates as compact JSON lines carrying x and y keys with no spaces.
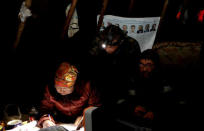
{"x":72,"y":107}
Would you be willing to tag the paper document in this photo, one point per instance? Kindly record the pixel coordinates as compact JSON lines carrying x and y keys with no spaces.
{"x":71,"y":127}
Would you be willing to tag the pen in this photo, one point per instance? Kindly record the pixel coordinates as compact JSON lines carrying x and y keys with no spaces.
{"x":49,"y":117}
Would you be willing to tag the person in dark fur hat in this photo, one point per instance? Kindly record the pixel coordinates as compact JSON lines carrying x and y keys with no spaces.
{"x":114,"y":54}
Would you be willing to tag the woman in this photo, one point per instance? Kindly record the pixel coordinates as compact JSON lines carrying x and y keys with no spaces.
{"x":66,"y":97}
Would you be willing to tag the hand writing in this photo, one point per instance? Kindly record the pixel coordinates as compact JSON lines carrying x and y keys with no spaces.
{"x":48,"y":123}
{"x":139,"y":110}
{"x":149,"y":115}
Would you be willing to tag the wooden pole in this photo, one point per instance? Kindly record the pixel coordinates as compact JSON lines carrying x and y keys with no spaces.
{"x":21,"y":26}
{"x":161,"y":19}
{"x":164,"y":9}
{"x":130,"y":7}
{"x":100,"y":21}
{"x":69,"y":17}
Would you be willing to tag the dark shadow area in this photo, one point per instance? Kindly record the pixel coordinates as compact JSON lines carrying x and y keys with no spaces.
{"x":27,"y":69}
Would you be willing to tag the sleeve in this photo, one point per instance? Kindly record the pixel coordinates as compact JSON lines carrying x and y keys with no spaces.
{"x":94,"y":96}
{"x":46,"y":104}
{"x":45,"y":108}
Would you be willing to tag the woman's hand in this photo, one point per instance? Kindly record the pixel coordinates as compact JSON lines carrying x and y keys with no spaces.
{"x":149,"y":115}
{"x":139,"y":111}
{"x":47,"y":123}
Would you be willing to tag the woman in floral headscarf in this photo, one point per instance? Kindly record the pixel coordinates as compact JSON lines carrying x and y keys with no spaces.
{"x":66,"y":97}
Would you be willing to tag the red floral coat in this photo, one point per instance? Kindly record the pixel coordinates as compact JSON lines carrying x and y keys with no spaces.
{"x":71,"y":107}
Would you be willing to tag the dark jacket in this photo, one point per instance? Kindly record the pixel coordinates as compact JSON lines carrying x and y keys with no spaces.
{"x":112,"y":71}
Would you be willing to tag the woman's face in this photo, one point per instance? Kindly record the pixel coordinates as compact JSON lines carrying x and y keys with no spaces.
{"x":65,"y":79}
{"x":64,"y":90}
{"x":65,"y":86}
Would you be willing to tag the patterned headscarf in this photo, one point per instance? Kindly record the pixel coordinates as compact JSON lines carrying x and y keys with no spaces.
{"x":65,"y":74}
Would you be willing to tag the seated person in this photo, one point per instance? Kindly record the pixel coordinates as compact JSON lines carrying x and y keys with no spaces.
{"x":143,"y":102}
{"x":114,"y":55}
{"x":66,"y":97}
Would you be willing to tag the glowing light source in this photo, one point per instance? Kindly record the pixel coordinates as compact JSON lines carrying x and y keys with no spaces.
{"x":103,"y":45}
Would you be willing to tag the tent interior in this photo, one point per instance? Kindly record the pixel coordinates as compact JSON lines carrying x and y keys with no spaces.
{"x":26,"y":66}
